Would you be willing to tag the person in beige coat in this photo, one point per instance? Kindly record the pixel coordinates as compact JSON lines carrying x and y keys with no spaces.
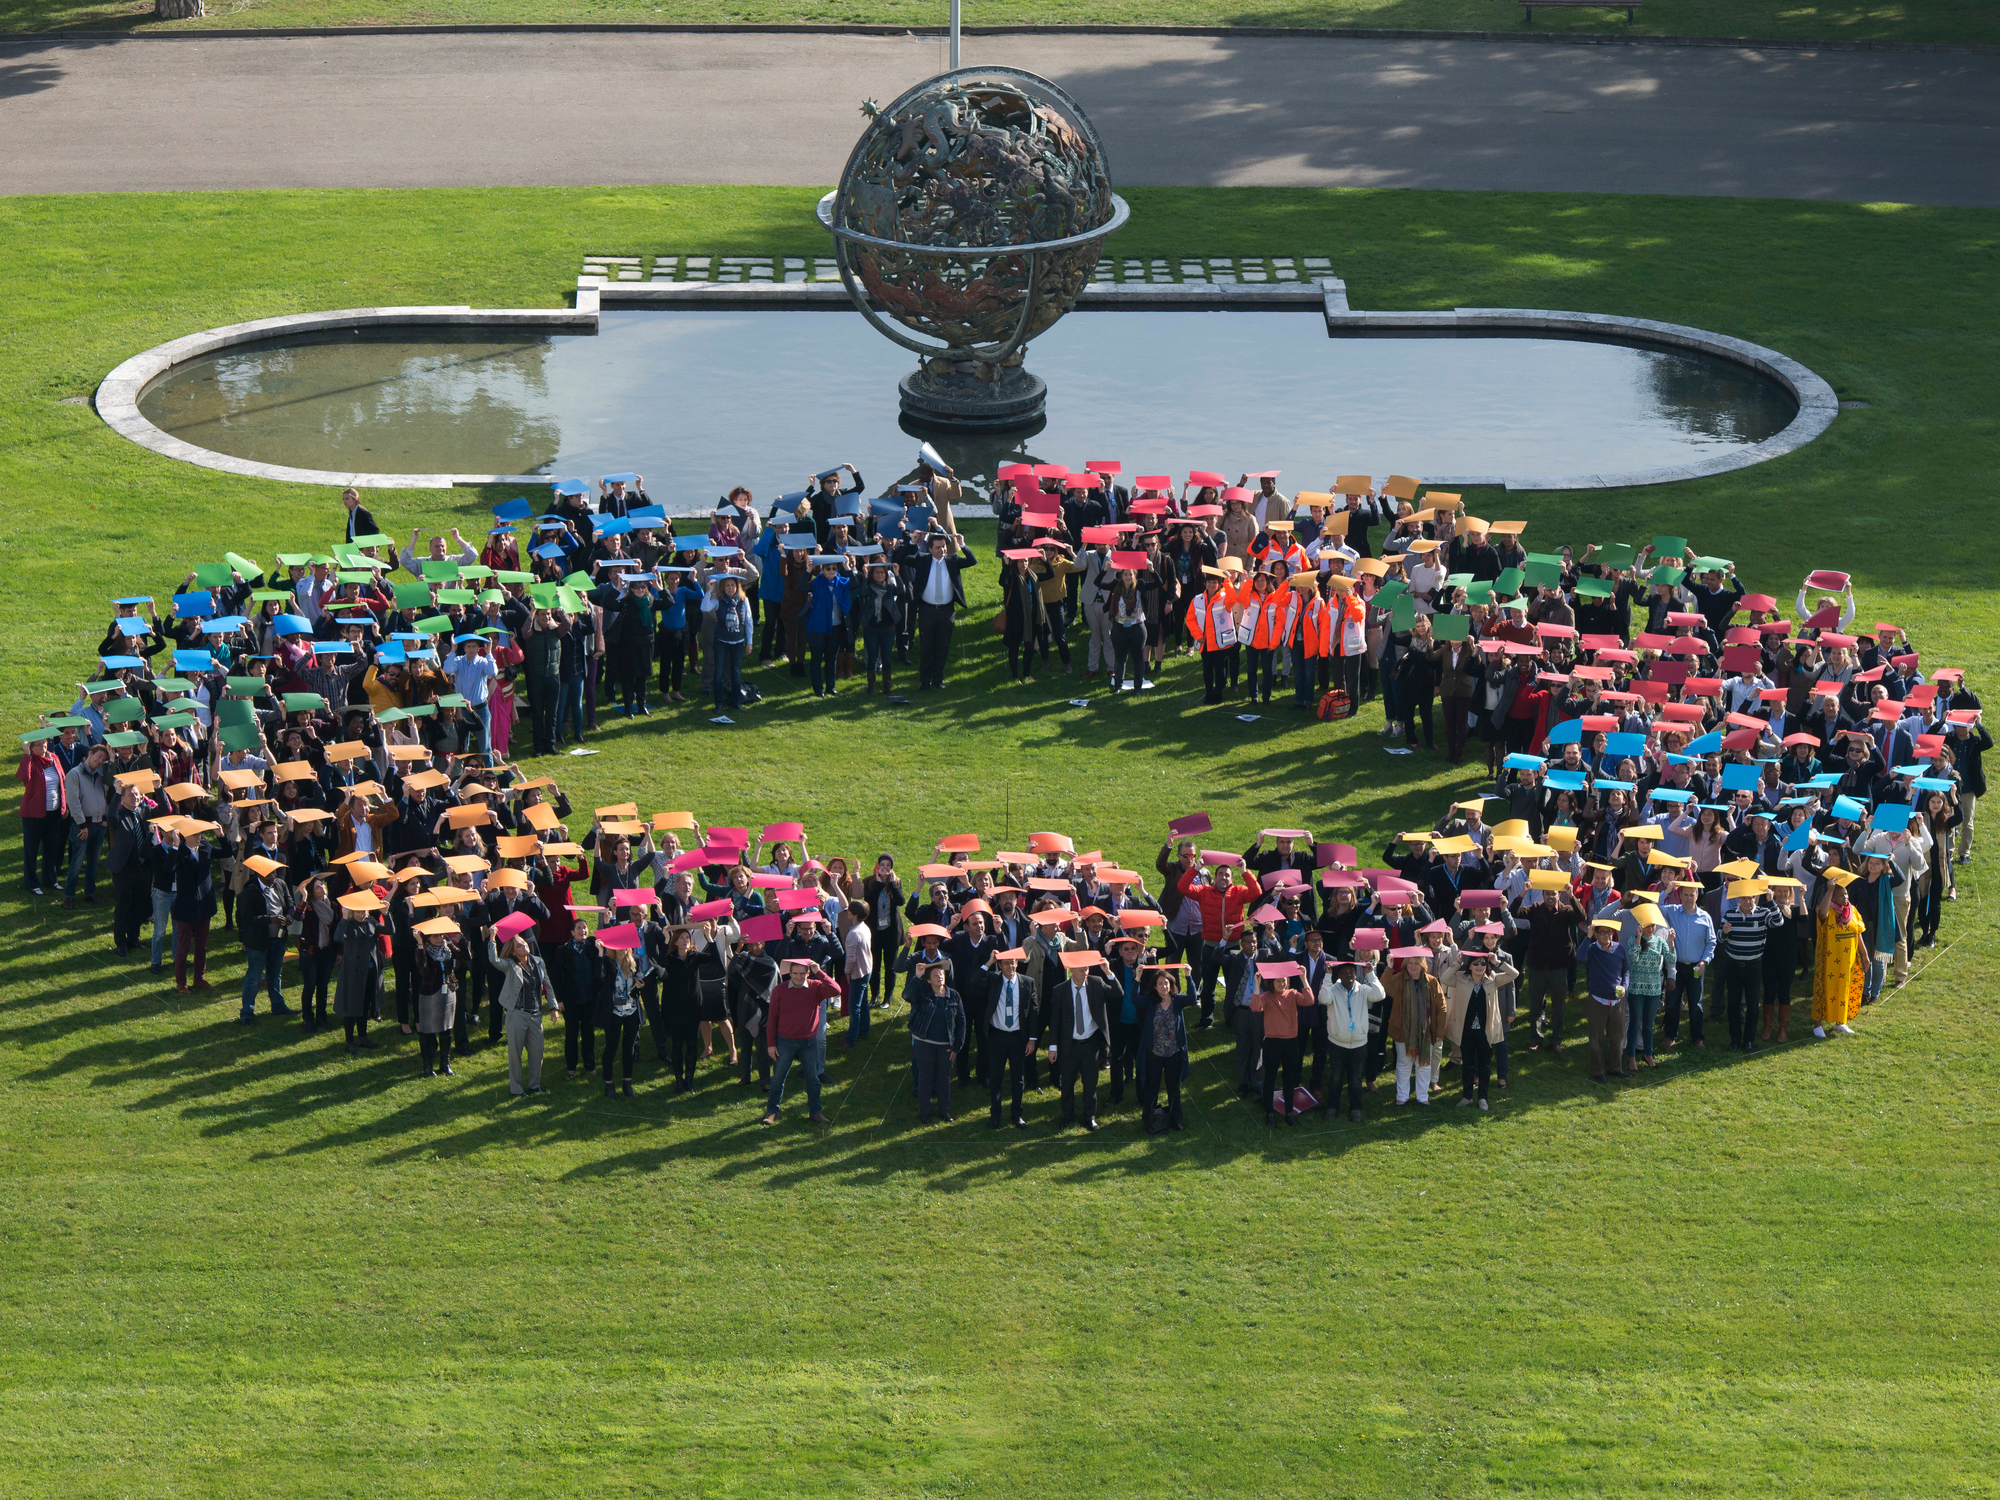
{"x":1472,"y":1017}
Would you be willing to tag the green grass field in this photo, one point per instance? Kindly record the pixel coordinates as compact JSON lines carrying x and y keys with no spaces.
{"x":1953,"y":21}
{"x":241,"y":1264}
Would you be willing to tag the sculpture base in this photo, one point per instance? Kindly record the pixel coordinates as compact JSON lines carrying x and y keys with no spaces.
{"x":959,"y":399}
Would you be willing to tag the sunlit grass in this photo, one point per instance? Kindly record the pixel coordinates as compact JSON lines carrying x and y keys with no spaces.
{"x":239,"y":1264}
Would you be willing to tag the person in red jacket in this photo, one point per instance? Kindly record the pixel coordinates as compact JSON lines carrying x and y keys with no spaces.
{"x":44,"y":814}
{"x":797,"y":1001}
{"x":1222,"y":903}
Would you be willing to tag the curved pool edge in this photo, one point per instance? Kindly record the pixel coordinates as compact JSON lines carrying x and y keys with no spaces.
{"x":1818,"y":404}
{"x":117,"y":396}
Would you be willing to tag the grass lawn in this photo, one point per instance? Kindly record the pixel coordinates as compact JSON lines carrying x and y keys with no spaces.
{"x":238,"y":1264}
{"x":1957,"y":21}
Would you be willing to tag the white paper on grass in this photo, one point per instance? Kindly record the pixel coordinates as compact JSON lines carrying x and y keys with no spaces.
{"x":1399,"y":750}
{"x":582,"y":750}
{"x":722,"y":719}
{"x":1079,"y":703}
{"x":1248,"y":718}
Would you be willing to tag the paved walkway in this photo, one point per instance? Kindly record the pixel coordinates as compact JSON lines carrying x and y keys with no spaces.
{"x":548,"y":108}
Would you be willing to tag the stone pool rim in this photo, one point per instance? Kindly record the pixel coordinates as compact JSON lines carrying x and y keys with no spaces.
{"x":117,"y":396}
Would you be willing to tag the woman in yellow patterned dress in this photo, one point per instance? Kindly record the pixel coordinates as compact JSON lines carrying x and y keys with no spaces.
{"x":1839,"y":965}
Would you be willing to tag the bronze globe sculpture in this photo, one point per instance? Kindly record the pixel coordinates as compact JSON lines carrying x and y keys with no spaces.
{"x":972,"y":210}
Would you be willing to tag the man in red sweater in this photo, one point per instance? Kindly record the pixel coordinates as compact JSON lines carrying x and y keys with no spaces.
{"x":1222,"y":905}
{"x":797,"y":1000}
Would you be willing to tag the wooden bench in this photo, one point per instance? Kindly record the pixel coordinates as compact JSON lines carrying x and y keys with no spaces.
{"x":1630,"y":7}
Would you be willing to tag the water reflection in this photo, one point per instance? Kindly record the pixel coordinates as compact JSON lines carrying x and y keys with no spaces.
{"x":700,"y":400}
{"x":369,"y":405}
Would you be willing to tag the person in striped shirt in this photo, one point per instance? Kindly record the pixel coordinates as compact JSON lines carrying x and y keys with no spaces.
{"x":1747,"y":923}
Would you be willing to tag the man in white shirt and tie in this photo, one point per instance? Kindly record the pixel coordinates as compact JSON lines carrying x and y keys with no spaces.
{"x":1011,"y":1019}
{"x":939,"y":591}
{"x":1077,"y":1029}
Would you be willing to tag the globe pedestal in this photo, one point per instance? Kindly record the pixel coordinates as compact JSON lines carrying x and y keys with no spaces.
{"x":971,"y":395}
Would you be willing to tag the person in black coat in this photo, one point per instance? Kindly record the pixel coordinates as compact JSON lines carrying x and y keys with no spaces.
{"x":1010,"y":1019}
{"x":194,"y":909}
{"x":937,"y":1037}
{"x":1416,"y":684}
{"x":882,"y":894}
{"x":933,"y":905}
{"x":680,"y":1006}
{"x":359,"y":521}
{"x":877,"y":611}
{"x":1163,"y":1049}
{"x":579,"y":1007}
{"x":1076,"y":1028}
{"x":752,"y":972}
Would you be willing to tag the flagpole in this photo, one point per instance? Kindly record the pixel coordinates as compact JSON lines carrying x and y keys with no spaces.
{"x":954,"y":33}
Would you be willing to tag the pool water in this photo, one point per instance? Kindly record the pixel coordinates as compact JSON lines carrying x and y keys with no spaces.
{"x":699,"y":400}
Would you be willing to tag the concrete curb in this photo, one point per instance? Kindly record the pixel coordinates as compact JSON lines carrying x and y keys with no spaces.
{"x":1336,"y":33}
{"x":1818,"y":404}
{"x":117,"y":398}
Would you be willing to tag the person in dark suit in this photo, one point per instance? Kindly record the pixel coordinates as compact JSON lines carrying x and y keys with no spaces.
{"x":1010,"y":1020}
{"x":970,"y":950}
{"x":1318,"y":965}
{"x":359,"y":521}
{"x":1076,"y":1027}
{"x":1239,"y":983}
{"x":939,"y":589}
{"x":131,"y":875}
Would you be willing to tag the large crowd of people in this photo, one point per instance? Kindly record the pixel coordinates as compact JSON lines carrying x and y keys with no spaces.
{"x":1698,"y":799}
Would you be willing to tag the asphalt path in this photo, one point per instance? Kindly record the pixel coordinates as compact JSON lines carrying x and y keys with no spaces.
{"x":543,"y":108}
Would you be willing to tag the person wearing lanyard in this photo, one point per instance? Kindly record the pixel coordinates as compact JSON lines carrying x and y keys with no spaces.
{"x":1011,"y":1018}
{"x":1125,"y":1062}
{"x":1345,"y":996}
